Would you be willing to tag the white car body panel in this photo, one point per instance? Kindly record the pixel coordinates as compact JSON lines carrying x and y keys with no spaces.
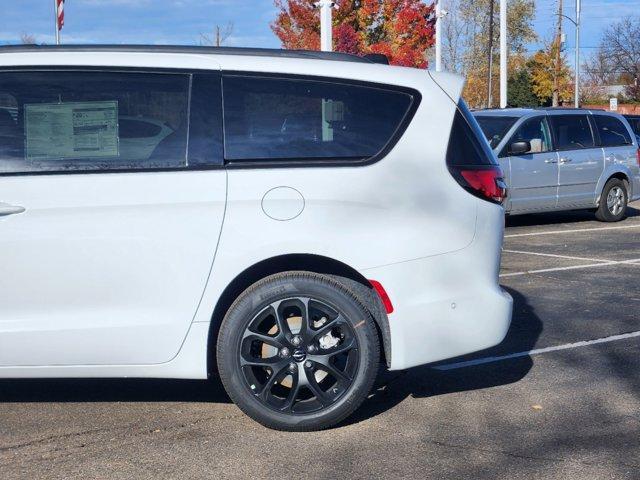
{"x":105,"y":269}
{"x":403,"y":221}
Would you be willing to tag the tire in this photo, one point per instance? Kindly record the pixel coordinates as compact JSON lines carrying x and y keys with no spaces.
{"x":613,"y":201}
{"x":289,"y":373}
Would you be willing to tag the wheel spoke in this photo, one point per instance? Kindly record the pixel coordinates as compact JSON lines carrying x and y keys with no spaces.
{"x":250,"y":336}
{"x":283,"y":326}
{"x":293,"y":393}
{"x":325,"y":364}
{"x":276,"y":376}
{"x":248,"y":360}
{"x":305,"y":330}
{"x":308,"y":379}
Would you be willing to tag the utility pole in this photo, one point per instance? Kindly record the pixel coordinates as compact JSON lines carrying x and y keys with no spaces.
{"x":326,"y":24}
{"x":438,"y":36}
{"x":577,"y":86}
{"x":504,"y":53}
{"x":490,"y":56}
{"x":556,"y":76}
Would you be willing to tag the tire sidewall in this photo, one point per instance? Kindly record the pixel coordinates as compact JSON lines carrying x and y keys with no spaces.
{"x":603,"y":212}
{"x":279,"y":287}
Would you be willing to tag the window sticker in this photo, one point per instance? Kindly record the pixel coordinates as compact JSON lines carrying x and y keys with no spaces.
{"x":73,"y":130}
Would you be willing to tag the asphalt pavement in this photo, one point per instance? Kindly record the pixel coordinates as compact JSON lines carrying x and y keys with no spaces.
{"x":559,"y":398}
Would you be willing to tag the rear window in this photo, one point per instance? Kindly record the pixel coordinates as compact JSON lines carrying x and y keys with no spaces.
{"x":293,"y":119}
{"x":613,"y":132}
{"x":635,"y":124}
{"x":572,"y":132}
{"x":495,"y":128}
{"x":467,"y":147}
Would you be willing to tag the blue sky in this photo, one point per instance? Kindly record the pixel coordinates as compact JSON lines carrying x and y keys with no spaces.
{"x":182,"y":21}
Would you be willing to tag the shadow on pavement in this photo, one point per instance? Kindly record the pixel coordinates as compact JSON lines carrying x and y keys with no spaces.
{"x":554,"y":218}
{"x":111,"y":390}
{"x":422,"y":382}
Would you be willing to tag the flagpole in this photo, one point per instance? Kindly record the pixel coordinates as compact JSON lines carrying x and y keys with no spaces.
{"x":55,"y":20}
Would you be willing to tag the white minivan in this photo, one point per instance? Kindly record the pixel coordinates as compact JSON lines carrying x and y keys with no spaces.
{"x":285,"y":220}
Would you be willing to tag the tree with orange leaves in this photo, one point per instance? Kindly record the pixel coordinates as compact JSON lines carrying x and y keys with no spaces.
{"x":403,"y":30}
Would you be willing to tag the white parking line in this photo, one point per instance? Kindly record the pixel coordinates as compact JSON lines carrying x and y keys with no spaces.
{"x":567,"y":346}
{"x":574,"y":267}
{"x":577,"y":230}
{"x":558,"y":256}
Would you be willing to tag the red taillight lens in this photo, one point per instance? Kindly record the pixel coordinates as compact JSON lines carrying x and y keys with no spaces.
{"x":638,"y":156}
{"x":382,"y":293}
{"x":486,"y":182}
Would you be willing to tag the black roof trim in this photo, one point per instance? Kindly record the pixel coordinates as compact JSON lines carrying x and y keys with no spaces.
{"x":186,"y":49}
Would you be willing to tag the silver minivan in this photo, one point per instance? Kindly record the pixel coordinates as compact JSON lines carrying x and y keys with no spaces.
{"x":565,"y":159}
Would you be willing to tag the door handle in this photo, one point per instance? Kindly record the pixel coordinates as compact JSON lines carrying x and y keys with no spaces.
{"x":6,"y":209}
{"x":550,"y":161}
{"x":565,"y":160}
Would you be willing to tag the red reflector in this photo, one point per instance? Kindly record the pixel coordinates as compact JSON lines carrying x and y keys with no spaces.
{"x":382,"y":293}
{"x":488,"y":182}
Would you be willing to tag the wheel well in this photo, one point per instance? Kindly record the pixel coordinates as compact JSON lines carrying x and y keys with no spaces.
{"x":620,"y":176}
{"x":352,"y":279}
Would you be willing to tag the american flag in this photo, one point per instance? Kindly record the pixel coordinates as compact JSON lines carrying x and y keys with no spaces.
{"x":60,"y":12}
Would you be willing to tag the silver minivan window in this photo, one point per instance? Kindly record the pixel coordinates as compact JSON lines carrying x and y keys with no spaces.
{"x":572,"y":132}
{"x":612,"y":131}
{"x":536,"y":132}
{"x":495,"y":128}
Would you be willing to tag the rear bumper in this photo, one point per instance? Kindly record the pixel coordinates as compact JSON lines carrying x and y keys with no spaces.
{"x":449,"y":305}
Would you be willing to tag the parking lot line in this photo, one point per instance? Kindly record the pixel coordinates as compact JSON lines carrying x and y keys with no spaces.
{"x":575,"y":230}
{"x":559,"y":256}
{"x":574,"y":267}
{"x":538,"y":351}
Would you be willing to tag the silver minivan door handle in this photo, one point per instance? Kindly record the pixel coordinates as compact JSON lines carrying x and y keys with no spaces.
{"x":565,"y":160}
{"x":550,"y":160}
{"x":6,"y":209}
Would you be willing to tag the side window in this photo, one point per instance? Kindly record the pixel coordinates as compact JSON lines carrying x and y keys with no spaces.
{"x":536,"y":132}
{"x":572,"y":132}
{"x":292,"y":119}
{"x":613,"y":132}
{"x":93,"y":121}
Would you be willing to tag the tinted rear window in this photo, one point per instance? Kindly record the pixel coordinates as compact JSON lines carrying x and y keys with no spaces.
{"x":467,"y":147}
{"x":635,"y":124}
{"x":495,"y":128}
{"x":613,"y":132}
{"x":572,"y":132}
{"x":292,"y":119}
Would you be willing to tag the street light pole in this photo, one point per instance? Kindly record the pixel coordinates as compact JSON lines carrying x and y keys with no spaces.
{"x":326,"y":31}
{"x":577,"y":86}
{"x":503,"y":53}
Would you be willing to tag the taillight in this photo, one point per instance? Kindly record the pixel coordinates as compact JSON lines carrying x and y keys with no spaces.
{"x":638,"y":156}
{"x":484,"y":182}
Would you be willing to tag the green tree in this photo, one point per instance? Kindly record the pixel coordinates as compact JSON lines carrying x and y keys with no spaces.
{"x":542,"y":67}
{"x":520,"y":90}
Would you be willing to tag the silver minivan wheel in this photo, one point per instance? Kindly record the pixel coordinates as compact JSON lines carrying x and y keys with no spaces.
{"x":616,"y":200}
{"x":613,"y":201}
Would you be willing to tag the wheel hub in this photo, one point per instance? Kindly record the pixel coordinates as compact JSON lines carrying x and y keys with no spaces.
{"x":299,"y":355}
